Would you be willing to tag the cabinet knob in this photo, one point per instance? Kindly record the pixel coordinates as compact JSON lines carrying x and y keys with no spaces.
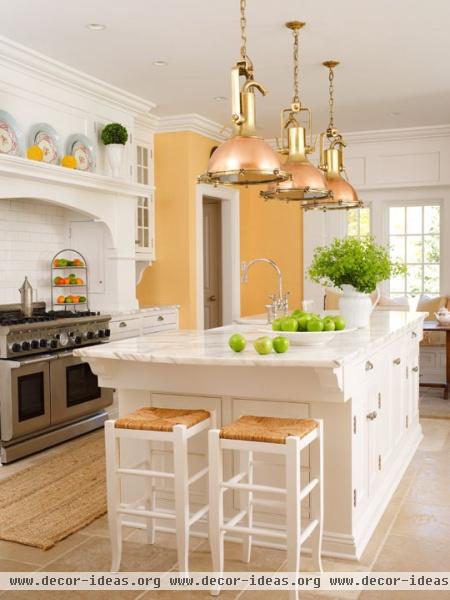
{"x":372,"y":415}
{"x":413,"y":334}
{"x":212,"y":298}
{"x":122,"y":324}
{"x":160,"y":318}
{"x":415,"y":369}
{"x":397,"y":361}
{"x":369,"y":366}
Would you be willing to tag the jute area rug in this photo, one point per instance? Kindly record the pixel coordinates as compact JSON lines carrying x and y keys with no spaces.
{"x":56,"y":496}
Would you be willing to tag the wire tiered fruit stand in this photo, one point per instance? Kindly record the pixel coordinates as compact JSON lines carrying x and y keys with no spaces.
{"x":69,"y":274}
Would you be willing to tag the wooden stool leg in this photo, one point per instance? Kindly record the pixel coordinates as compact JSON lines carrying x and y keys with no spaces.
{"x":150,"y":498}
{"x":316,"y":457}
{"x":245,"y":464}
{"x":215,"y":502}
{"x":112,"y":443}
{"x":180,"y":460}
{"x":293,"y":509}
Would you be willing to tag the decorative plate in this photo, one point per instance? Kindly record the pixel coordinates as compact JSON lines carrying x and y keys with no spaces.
{"x":82,"y":148}
{"x":11,"y":137}
{"x":48,"y":140}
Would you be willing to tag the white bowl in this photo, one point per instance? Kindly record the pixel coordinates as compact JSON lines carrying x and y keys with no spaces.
{"x":306,"y":338}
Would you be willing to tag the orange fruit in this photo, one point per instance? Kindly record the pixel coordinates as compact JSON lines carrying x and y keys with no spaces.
{"x":35,"y":153}
{"x":60,"y":299}
{"x":69,"y":161}
{"x":75,"y":299}
{"x":79,"y":281}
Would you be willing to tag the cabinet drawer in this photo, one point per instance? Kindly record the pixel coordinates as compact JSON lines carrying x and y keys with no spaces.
{"x":159,"y":319}
{"x":126,"y":327}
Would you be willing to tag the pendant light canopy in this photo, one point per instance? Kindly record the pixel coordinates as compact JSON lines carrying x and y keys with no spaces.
{"x":307,"y":184}
{"x":244,"y":159}
{"x":344,"y":195}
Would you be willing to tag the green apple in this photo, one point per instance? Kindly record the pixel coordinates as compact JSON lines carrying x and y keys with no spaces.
{"x":237,"y":342}
{"x":289,"y":324}
{"x":263,"y":345}
{"x":276,"y":325}
{"x":315,"y":324}
{"x":339,"y":322}
{"x":328,"y":324}
{"x":303,"y":321}
{"x":297,"y":313}
{"x":280,"y":344}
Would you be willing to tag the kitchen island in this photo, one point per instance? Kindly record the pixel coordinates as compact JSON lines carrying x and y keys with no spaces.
{"x":364,"y":384}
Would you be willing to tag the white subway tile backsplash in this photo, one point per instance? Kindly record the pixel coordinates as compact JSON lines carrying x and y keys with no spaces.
{"x":31,"y":233}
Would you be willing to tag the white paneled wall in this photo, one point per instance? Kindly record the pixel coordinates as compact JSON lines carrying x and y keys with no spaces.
{"x":31,"y":232}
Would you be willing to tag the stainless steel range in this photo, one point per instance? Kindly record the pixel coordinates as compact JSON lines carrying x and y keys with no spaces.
{"x":46,"y":394}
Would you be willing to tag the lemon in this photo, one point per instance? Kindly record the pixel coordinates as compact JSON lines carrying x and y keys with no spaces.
{"x":35,"y":153}
{"x":69,"y":161}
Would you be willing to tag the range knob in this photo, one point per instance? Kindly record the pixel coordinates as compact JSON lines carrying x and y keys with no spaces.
{"x":43,"y":343}
{"x":101,"y":333}
{"x":16,"y":347}
{"x":89,"y":335}
{"x":107,"y":332}
{"x":25,"y":346}
{"x":53,"y":344}
{"x":77,"y":339}
{"x":34,"y":344}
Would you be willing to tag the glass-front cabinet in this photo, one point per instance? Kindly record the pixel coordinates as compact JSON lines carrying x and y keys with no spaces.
{"x":145,"y":204}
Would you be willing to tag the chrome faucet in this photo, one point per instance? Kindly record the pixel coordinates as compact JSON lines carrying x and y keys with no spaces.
{"x":279,"y":305}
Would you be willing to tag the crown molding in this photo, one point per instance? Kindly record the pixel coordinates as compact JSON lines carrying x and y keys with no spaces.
{"x":44,"y":68}
{"x":195,"y":123}
{"x":398,"y":135}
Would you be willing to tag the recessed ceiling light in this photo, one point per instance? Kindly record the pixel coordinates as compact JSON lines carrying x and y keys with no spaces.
{"x":160,"y":63}
{"x":393,"y":114}
{"x":96,"y":26}
{"x":220,"y":98}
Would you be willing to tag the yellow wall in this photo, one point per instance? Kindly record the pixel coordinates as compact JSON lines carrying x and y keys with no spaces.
{"x":179,"y":158}
{"x":268,"y":229}
{"x":274,"y":230}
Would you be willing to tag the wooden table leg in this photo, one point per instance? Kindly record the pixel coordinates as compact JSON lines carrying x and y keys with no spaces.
{"x":447,"y":364}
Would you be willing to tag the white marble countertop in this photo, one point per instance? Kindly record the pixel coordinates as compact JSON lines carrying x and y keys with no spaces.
{"x":211,"y":347}
{"x":137,"y":312}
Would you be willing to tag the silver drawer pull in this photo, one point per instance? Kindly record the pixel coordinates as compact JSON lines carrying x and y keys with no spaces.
{"x":123,"y":324}
{"x":369,"y":366}
{"x":413,"y":334}
{"x":372,"y":415}
{"x":415,"y":369}
{"x":397,"y":361}
{"x":160,"y":318}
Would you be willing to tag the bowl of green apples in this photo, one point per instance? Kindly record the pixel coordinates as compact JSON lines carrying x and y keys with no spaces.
{"x":308,"y":329}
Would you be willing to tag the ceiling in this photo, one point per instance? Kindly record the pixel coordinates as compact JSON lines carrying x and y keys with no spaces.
{"x":392,"y":74}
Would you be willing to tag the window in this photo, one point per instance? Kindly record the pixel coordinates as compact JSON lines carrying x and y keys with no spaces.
{"x":358,"y":222}
{"x":414,"y":238}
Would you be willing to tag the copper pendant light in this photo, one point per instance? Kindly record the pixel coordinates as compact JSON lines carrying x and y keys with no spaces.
{"x":244,"y":159}
{"x":344,"y":195}
{"x":307,"y":184}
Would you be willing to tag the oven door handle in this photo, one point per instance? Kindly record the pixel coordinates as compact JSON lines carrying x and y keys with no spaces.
{"x":37,"y":359}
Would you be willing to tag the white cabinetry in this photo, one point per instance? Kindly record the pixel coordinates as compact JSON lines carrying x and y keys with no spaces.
{"x":145,"y":210}
{"x":143,"y":322}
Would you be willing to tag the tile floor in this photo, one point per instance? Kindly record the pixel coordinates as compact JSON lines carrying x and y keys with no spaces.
{"x":414,"y":533}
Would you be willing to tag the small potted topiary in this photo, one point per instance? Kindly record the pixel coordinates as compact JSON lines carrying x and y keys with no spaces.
{"x":355,"y":266}
{"x":114,"y":137}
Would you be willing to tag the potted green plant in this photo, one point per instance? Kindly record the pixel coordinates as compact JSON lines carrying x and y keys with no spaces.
{"x":355,"y":266}
{"x":114,"y":137}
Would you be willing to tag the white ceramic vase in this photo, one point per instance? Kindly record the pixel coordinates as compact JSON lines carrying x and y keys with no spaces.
{"x":114,"y":154}
{"x":356,"y":307}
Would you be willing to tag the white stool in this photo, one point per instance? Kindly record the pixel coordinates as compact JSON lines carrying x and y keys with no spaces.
{"x":155,"y":425}
{"x":287,"y":437}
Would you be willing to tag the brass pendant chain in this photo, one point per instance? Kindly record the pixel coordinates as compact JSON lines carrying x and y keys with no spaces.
{"x":243,"y":30}
{"x":331,"y":98}
{"x":296,"y":98}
